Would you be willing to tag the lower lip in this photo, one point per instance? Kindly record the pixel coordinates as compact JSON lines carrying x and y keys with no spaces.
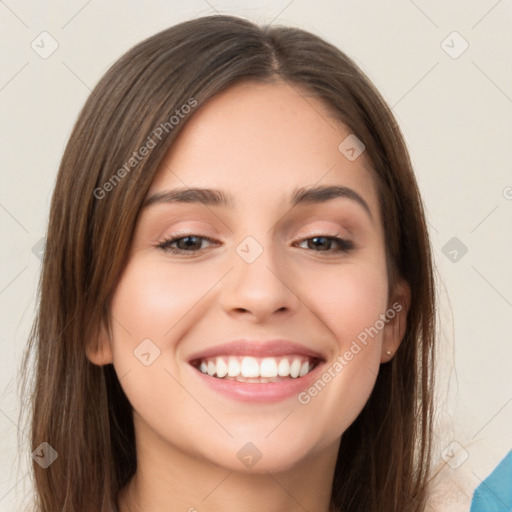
{"x":260,"y":392}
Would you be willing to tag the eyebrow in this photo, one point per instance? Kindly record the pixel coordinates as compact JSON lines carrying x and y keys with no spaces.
{"x":215,"y":197}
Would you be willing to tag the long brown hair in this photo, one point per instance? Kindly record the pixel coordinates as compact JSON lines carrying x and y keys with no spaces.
{"x":79,"y":408}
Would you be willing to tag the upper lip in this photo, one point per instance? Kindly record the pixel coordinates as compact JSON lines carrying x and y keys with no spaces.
{"x":257,"y":348}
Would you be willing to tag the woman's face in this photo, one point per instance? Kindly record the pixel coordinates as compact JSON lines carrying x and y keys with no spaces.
{"x":216,"y":294}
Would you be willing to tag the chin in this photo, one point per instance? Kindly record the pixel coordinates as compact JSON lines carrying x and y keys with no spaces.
{"x":261,"y":455}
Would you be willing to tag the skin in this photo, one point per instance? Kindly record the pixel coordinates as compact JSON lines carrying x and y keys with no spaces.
{"x":258,"y":143}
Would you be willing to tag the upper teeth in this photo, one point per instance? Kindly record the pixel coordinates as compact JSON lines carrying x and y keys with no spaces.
{"x":251,"y":367}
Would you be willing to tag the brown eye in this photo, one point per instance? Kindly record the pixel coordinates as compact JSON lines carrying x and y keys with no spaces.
{"x":325,"y":244}
{"x":184,"y":244}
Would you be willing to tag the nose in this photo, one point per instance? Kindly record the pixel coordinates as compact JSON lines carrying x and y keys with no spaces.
{"x":259,"y":290}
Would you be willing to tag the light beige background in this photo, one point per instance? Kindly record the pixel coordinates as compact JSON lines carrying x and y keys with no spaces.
{"x":456,"y":115}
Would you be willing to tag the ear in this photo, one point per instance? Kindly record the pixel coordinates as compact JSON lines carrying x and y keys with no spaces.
{"x":98,"y":349}
{"x":396,"y":324}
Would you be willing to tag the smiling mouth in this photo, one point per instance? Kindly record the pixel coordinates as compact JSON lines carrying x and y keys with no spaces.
{"x":254,"y":369}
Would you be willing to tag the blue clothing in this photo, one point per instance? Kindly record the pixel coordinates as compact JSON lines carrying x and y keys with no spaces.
{"x":494,"y":494}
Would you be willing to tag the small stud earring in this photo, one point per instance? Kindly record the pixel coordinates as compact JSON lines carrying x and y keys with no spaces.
{"x":388,"y":352}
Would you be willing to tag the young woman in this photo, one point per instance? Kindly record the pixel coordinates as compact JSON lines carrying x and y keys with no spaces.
{"x":237,"y":299}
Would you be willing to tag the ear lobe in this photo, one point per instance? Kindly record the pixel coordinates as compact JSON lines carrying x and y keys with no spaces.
{"x":395,"y":328}
{"x":99,"y":350}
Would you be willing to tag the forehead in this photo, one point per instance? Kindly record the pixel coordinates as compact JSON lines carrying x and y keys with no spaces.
{"x":261,"y":141}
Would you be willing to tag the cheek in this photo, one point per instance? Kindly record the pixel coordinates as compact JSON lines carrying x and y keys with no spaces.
{"x":150,"y":300}
{"x":349,"y":300}
{"x":147,"y":307}
{"x":349,"y":311}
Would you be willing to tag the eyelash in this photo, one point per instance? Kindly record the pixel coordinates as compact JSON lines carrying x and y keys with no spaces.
{"x":165,"y":245}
